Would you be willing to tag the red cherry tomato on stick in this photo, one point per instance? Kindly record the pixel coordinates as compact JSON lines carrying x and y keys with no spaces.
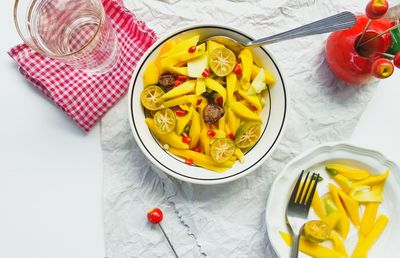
{"x":155,"y":216}
{"x":376,"y":9}
{"x":382,"y":68}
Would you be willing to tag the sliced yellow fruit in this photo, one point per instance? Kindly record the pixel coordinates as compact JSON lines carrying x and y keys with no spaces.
{"x":318,"y":205}
{"x":183,"y":121}
{"x":332,"y":219}
{"x":164,"y":121}
{"x":343,"y":225}
{"x":247,"y":134}
{"x":183,"y":46}
{"x":211,"y":45}
{"x":310,"y":248}
{"x":365,"y":244}
{"x":172,"y":139}
{"x":242,"y":111}
{"x":317,"y":231}
{"x":151,"y":74}
{"x":222,"y":150}
{"x":373,"y":180}
{"x":200,"y":86}
{"x":195,"y":129}
{"x":185,"y":88}
{"x":349,"y":172}
{"x":338,"y":245}
{"x":368,"y":219}
{"x":252,"y":99}
{"x":222,"y":61}
{"x":216,"y":86}
{"x":365,"y":193}
{"x":351,"y":206}
{"x":150,"y":97}
{"x":231,"y":80}
{"x":247,"y":64}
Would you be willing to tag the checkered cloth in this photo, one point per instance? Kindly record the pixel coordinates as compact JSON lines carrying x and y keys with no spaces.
{"x":86,"y":98}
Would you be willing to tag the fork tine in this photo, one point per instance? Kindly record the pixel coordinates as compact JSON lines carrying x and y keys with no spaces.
{"x":305,"y":196}
{"x":295,"y":189}
{"x":314,"y":188}
{"x":301,"y":191}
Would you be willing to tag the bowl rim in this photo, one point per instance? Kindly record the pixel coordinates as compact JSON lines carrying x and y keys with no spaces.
{"x":159,"y":164}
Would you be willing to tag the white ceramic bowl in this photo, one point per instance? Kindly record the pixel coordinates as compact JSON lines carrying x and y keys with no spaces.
{"x":274,"y":115}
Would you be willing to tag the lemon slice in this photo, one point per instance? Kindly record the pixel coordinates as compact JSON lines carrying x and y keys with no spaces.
{"x":150,"y":97}
{"x":247,"y":134}
{"x":164,"y":121}
{"x":222,"y":150}
{"x":222,"y":61}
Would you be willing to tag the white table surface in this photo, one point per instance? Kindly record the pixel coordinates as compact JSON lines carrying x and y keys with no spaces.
{"x":51,"y":172}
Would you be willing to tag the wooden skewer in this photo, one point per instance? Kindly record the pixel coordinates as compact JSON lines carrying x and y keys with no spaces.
{"x":363,"y":33}
{"x":380,"y":34}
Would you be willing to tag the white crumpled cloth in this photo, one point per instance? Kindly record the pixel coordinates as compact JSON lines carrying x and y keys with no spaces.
{"x":225,"y":220}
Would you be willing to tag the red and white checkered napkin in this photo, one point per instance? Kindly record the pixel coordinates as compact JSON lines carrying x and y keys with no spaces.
{"x":86,"y":98}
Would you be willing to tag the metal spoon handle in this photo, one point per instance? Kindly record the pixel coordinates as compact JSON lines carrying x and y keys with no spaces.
{"x":335,"y":22}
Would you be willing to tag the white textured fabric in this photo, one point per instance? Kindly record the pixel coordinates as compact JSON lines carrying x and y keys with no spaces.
{"x":225,"y":220}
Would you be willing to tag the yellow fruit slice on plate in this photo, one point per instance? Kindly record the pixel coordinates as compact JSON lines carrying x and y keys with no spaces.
{"x":247,"y":134}
{"x":222,"y":150}
{"x":164,"y":121}
{"x":150,"y":97}
{"x":222,"y":61}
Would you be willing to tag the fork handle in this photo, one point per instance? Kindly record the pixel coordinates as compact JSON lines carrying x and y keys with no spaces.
{"x":294,"y":253}
{"x":343,"y":20}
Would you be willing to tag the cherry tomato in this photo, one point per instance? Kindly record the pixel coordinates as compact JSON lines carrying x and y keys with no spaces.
{"x":211,"y":133}
{"x":196,"y":149}
{"x":220,"y":100}
{"x":189,"y":162}
{"x":205,"y":73}
{"x":376,"y":9}
{"x":231,"y":136}
{"x":187,"y":139}
{"x":192,"y":49}
{"x":155,"y":216}
{"x":237,"y":69}
{"x":180,"y":112}
{"x":396,"y":60}
{"x":382,"y":68}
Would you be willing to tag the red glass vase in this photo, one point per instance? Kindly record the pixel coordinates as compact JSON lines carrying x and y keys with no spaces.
{"x":354,"y":66}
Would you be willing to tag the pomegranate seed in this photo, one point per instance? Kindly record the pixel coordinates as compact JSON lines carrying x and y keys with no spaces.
{"x":187,"y":139}
{"x":211,"y":133}
{"x":239,"y":61}
{"x":180,"y":112}
{"x":220,"y":100}
{"x":231,"y":136}
{"x":181,"y":78}
{"x":192,"y":49}
{"x":237,"y":69}
{"x":198,"y":102}
{"x":254,"y":108}
{"x":189,"y":162}
{"x":177,"y":83}
{"x":205,"y":73}
{"x":196,"y":149}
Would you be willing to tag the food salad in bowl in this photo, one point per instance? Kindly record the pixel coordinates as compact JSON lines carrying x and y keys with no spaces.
{"x":203,"y":113}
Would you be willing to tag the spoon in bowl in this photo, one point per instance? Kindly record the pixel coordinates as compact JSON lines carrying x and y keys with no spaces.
{"x":341,"y":21}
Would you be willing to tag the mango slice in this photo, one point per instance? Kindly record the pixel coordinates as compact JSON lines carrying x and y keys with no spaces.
{"x":151,"y":74}
{"x":310,"y":248}
{"x":373,"y":180}
{"x":332,"y":219}
{"x":182,"y":46}
{"x":231,"y":80}
{"x":200,"y":86}
{"x":338,"y":245}
{"x":242,"y":111}
{"x":172,"y":139}
{"x":216,"y":86}
{"x":183,"y":121}
{"x":365,"y":193}
{"x":247,"y":64}
{"x":351,"y":206}
{"x":252,"y":99}
{"x":365,"y":244}
{"x":318,"y":206}
{"x":185,"y":88}
{"x":195,"y":129}
{"x":368,"y":218}
{"x":349,"y":172}
{"x":341,"y":180}
{"x":343,"y":226}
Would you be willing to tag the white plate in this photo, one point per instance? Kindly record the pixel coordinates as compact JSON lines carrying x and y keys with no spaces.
{"x":315,"y":160}
{"x":274,"y":115}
